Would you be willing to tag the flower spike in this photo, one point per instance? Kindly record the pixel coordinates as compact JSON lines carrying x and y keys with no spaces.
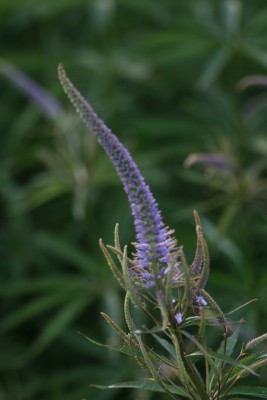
{"x":155,"y":248}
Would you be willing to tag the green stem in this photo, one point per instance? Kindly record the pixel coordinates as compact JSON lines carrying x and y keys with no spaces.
{"x":195,"y":380}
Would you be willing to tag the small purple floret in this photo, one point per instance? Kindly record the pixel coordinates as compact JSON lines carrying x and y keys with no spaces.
{"x":178,"y":318}
{"x":201,"y":301}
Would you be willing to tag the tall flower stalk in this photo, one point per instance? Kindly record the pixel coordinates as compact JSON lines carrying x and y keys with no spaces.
{"x":158,"y":277}
{"x":155,"y":247}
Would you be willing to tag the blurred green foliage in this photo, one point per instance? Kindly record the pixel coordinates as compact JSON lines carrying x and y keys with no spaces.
{"x":173,"y":81}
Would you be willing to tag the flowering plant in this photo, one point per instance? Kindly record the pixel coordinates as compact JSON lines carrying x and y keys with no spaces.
{"x":158,"y":281}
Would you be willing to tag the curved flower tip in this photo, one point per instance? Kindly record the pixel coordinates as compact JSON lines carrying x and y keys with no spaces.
{"x":155,"y":246}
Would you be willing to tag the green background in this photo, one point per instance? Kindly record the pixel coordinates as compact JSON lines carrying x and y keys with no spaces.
{"x":174,"y":80}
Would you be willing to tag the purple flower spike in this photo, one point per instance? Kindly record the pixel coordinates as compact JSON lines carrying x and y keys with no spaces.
{"x":155,"y":247}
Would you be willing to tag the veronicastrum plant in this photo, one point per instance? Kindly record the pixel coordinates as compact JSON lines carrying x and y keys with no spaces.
{"x":174,"y":351}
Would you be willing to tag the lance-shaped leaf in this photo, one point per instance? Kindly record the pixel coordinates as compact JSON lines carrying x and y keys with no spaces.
{"x":203,"y":350}
{"x":252,"y":367}
{"x":247,"y":361}
{"x":116,"y":328}
{"x":260,"y":392}
{"x":147,"y":385}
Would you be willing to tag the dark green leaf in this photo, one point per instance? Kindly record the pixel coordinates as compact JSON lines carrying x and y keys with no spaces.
{"x":249,"y":391}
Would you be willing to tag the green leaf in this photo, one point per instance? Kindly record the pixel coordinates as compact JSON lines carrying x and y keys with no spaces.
{"x":203,"y":351}
{"x":66,"y":251}
{"x":165,"y":344}
{"x":60,"y":322}
{"x":213,"y":68}
{"x":44,"y":188}
{"x":230,"y":344}
{"x":231,"y":361}
{"x":94,"y":341}
{"x":124,"y":350}
{"x":33,"y":309}
{"x":148,"y":385}
{"x":43,"y":284}
{"x":247,"y":361}
{"x":249,"y":391}
{"x":256,"y":54}
{"x":119,"y":331}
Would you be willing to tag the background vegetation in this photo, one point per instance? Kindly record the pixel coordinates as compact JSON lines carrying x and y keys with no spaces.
{"x":183,"y":85}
